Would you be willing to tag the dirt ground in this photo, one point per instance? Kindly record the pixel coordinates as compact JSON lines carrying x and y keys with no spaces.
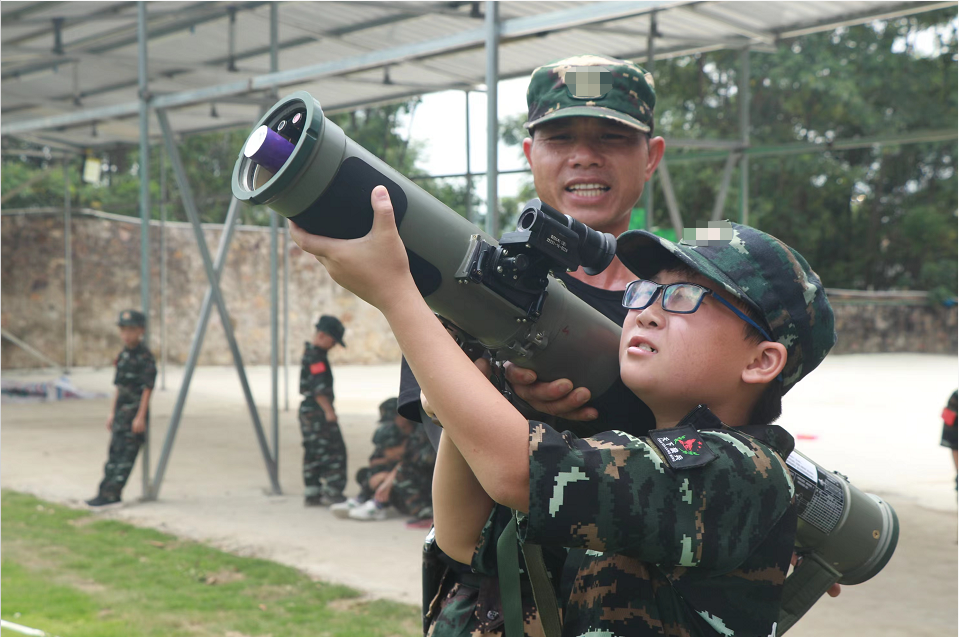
{"x":875,"y":418}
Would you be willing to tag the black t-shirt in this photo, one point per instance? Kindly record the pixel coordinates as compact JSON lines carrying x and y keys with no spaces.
{"x":619,"y":408}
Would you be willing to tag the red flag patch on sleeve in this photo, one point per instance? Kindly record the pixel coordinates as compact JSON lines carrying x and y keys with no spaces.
{"x":949,"y":417}
{"x":318,"y":368}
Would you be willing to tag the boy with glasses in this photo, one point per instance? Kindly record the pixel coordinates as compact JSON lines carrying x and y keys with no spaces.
{"x":690,"y":530}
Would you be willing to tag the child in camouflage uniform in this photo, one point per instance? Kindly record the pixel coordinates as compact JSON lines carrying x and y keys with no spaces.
{"x":130,"y":414}
{"x":407,"y":487}
{"x":324,"y":452}
{"x":389,"y":443}
{"x":690,"y":529}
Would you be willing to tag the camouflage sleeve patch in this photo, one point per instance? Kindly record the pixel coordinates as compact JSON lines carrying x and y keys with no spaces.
{"x":614,"y":493}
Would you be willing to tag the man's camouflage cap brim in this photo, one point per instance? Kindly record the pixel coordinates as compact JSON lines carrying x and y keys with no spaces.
{"x":592,"y":86}
{"x":756,"y":268}
{"x":332,"y":326}
{"x":131,"y":318}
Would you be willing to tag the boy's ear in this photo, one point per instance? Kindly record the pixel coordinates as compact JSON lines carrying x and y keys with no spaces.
{"x":767,"y":363}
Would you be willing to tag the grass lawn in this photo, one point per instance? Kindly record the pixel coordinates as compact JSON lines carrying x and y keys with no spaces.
{"x":74,"y":574}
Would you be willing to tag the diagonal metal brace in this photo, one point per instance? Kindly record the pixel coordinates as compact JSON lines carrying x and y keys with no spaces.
{"x":189,"y":205}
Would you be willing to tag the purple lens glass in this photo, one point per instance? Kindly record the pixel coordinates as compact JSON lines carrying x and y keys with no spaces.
{"x":268,"y":148}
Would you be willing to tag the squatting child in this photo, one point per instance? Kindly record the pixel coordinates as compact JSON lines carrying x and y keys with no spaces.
{"x":130,"y":413}
{"x":324,"y":452}
{"x":690,"y":530}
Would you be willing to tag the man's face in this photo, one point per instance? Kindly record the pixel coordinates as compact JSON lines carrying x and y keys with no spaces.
{"x":130,"y":335}
{"x":682,"y":360}
{"x":592,"y":169}
{"x":323,"y":340}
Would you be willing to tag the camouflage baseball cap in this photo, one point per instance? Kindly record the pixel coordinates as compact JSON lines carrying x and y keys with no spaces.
{"x":592,"y":86}
{"x":388,"y":410}
{"x":132,"y":318}
{"x":756,"y":268}
{"x":332,"y":326}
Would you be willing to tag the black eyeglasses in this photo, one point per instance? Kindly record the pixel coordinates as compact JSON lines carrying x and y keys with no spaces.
{"x":678,"y":298}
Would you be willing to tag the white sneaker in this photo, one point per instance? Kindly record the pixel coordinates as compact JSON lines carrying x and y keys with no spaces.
{"x":372,"y":511}
{"x":342,"y":509}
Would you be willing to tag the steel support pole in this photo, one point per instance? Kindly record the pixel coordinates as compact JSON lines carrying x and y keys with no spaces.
{"x":744,"y":133}
{"x":274,"y":284}
{"x":724,"y":186}
{"x":29,"y":349}
{"x":164,"y":350}
{"x":469,"y":175}
{"x":671,"y":204}
{"x":144,"y":173}
{"x":492,"y":121}
{"x":651,"y":67}
{"x":68,"y":263}
{"x":195,"y":346}
{"x":188,"y":203}
{"x":286,"y":316}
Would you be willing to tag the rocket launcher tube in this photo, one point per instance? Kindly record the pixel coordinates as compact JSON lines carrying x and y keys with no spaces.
{"x":325,"y":185}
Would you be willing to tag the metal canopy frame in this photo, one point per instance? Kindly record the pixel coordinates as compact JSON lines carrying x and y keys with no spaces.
{"x":438,"y":46}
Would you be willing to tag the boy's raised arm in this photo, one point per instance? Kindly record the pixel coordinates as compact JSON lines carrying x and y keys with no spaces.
{"x":491,"y":435}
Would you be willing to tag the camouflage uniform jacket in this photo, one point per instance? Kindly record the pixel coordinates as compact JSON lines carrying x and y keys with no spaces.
{"x":692,"y":551}
{"x":316,"y":377}
{"x":136,"y":370}
{"x":419,"y":452}
{"x":387,"y":436}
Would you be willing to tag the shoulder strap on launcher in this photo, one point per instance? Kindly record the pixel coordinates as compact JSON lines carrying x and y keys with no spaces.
{"x":507,"y":565}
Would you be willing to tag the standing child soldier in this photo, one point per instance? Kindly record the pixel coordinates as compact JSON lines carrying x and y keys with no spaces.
{"x":324,"y":453}
{"x":130,"y":414}
{"x":690,"y":530}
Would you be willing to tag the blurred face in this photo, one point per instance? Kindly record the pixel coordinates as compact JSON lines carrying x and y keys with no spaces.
{"x":130,"y":335}
{"x":677,"y":361}
{"x":406,"y":425}
{"x":592,"y":169}
{"x":323,"y":340}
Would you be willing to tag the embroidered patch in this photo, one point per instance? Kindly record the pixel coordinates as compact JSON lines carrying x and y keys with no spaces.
{"x":682,"y":447}
{"x":318,"y":368}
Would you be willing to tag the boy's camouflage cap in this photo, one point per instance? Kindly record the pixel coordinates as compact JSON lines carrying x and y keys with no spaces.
{"x":592,"y":86}
{"x":332,"y":326}
{"x":131,"y":318}
{"x":756,"y":268}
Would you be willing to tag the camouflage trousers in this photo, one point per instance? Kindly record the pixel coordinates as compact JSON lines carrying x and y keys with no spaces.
{"x":324,"y":453}
{"x":412,"y":492}
{"x":474,"y":610}
{"x":124,"y":446}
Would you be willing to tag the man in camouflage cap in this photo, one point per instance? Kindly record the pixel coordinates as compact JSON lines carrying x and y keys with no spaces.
{"x":129,"y":416}
{"x":591,"y":150}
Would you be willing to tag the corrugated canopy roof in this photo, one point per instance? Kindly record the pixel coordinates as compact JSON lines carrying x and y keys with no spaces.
{"x":70,"y":69}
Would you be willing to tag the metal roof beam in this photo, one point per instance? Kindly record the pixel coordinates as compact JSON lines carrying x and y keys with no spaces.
{"x":112,"y":9}
{"x":514,"y":28}
{"x":761,"y":36}
{"x":901,"y":10}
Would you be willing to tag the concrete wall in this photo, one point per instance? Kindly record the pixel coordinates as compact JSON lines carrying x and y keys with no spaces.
{"x":106,"y":279}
